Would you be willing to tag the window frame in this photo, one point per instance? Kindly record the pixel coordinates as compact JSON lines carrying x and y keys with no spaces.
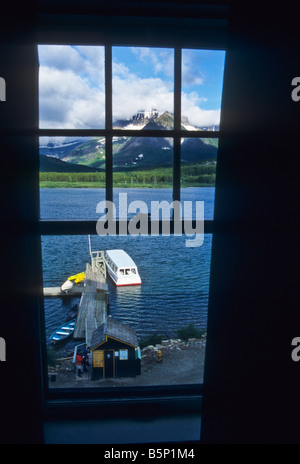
{"x":180,"y":396}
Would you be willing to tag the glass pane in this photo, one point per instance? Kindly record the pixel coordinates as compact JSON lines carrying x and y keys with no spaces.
{"x":164,"y":312}
{"x":202,"y":84}
{"x":143,"y":87}
{"x":72,"y":177}
{"x":142,"y":168}
{"x":71,"y":87}
{"x":198,"y":172}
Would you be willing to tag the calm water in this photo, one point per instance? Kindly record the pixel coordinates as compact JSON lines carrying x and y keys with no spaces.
{"x":175,"y":278}
{"x":72,"y":203}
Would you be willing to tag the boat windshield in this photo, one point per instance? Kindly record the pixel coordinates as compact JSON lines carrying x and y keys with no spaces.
{"x":127,"y":271}
{"x":130,"y":271}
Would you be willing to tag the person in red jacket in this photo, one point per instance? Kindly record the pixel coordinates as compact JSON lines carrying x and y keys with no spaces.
{"x":79,"y":360}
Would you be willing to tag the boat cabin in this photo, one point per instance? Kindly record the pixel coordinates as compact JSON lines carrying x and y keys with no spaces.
{"x":115,"y":351}
{"x":121,"y":268}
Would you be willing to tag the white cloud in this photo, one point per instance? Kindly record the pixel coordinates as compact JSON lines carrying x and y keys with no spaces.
{"x":80,"y":59}
{"x":60,"y":57}
{"x":69,"y":101}
{"x":72,"y":94}
{"x":133,"y":94}
{"x":198,"y":116}
{"x":119,"y":69}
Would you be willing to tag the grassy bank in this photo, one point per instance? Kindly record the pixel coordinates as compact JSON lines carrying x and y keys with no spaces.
{"x":53,"y":184}
{"x":198,"y":175}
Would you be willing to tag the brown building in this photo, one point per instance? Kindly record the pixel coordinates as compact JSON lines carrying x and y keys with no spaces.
{"x":115,"y":351}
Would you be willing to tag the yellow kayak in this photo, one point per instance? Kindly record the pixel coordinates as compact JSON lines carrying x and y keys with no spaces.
{"x":77,"y":277}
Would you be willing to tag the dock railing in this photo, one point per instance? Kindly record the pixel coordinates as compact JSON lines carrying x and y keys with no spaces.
{"x":98,"y":263}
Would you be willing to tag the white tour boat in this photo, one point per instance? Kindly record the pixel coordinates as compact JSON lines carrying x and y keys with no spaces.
{"x":121,"y":268}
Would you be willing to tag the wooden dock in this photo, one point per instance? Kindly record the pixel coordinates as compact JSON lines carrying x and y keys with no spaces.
{"x":56,"y":291}
{"x":93,"y":305}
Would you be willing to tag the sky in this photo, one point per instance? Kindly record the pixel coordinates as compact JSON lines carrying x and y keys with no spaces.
{"x":72,"y":90}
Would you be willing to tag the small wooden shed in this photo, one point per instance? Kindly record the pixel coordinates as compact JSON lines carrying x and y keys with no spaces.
{"x":115,"y":351}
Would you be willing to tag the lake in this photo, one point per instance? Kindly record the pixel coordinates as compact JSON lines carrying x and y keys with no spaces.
{"x":175,"y":278}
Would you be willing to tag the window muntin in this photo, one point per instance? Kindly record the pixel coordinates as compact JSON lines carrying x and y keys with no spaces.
{"x":111,"y":134}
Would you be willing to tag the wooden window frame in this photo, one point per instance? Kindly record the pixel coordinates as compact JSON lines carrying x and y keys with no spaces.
{"x":183,"y":396}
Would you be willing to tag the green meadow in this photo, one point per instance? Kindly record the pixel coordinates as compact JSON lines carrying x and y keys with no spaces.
{"x":195,"y":175}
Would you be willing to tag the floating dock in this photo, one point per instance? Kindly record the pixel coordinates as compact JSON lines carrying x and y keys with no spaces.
{"x":56,"y":291}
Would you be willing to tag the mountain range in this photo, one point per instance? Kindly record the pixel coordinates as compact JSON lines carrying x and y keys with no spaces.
{"x":88,"y":154}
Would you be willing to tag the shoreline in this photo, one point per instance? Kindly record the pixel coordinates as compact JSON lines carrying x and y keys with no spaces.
{"x":86,"y":185}
{"x":182,"y":363}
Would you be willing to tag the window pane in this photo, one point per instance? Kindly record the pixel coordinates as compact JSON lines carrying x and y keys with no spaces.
{"x":202,"y":83}
{"x":72,"y":177}
{"x":142,"y":168}
{"x":143,"y":87}
{"x":198,"y":172}
{"x":170,"y":303}
{"x":71,"y":87}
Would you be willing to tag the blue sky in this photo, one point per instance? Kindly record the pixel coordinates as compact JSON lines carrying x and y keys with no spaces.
{"x":146,"y":62}
{"x":72,"y":93}
{"x":203,"y":74}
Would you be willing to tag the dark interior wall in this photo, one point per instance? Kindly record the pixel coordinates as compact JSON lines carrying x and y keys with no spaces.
{"x":20,"y":381}
{"x":251,"y":384}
